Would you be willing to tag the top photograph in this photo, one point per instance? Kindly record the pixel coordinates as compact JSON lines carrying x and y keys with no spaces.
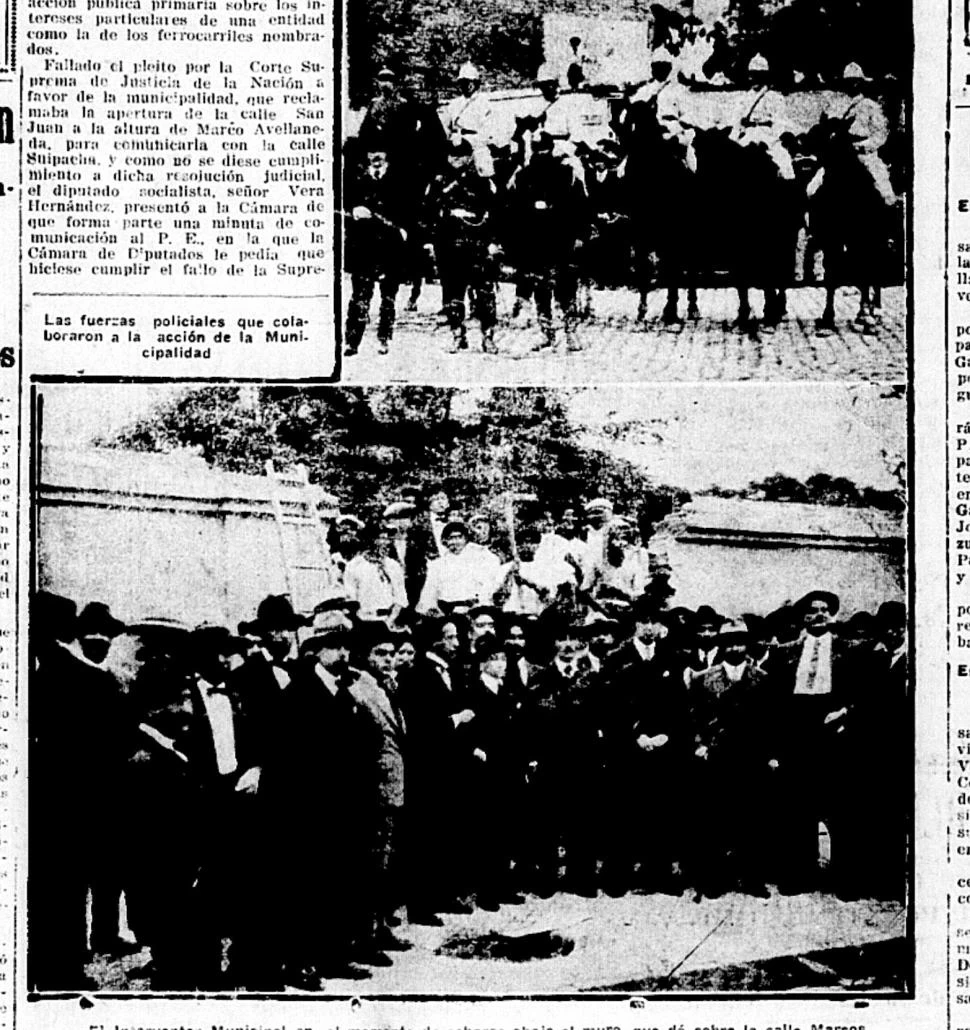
{"x":576,"y":191}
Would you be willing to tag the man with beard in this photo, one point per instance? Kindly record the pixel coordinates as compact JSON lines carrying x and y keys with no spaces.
{"x":321,"y":785}
{"x":732,"y":762}
{"x":432,"y":699}
{"x":648,"y":744}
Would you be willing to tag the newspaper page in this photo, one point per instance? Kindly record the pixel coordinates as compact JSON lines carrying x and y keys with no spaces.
{"x":483,"y":514}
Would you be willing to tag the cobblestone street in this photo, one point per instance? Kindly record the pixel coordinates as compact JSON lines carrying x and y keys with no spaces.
{"x":616,"y":349}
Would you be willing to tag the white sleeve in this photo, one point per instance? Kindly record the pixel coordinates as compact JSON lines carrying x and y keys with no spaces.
{"x":396,"y":574}
{"x":431,"y":591}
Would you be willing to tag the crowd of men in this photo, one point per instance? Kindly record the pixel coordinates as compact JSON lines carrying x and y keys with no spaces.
{"x":447,"y":194}
{"x":444,"y":731}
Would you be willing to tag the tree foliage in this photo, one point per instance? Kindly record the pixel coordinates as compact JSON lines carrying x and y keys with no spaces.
{"x":820,"y":488}
{"x":363,"y":445}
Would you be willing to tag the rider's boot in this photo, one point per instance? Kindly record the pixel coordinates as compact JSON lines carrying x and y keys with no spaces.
{"x":548,"y":333}
{"x":459,"y":339}
{"x":572,"y":342}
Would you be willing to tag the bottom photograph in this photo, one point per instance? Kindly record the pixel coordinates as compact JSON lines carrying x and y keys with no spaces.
{"x":423,"y":691}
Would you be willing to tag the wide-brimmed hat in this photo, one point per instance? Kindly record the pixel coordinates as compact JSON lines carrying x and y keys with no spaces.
{"x":96,"y":620}
{"x":832,"y":600}
{"x":399,"y":510}
{"x":891,"y":613}
{"x":336,"y":637}
{"x":706,"y":615}
{"x":276,"y":612}
{"x":210,"y":638}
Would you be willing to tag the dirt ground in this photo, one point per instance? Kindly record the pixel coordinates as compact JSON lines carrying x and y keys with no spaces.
{"x":637,"y":943}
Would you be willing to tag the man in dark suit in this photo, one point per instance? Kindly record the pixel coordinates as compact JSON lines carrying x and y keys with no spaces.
{"x":702,"y":631}
{"x":816,"y":686}
{"x":489,"y":747}
{"x":875,"y":830}
{"x":412,"y":544}
{"x":564,"y":726}
{"x":321,"y":785}
{"x":648,"y":745}
{"x":376,"y":246}
{"x":81,"y":729}
{"x":234,"y":728}
{"x":432,"y":699}
{"x":379,"y":691}
{"x":169,"y":774}
{"x":730,"y":767}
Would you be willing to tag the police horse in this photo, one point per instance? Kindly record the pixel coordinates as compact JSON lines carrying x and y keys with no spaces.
{"x":848,"y":222}
{"x":747,"y":218}
{"x":662,"y":202}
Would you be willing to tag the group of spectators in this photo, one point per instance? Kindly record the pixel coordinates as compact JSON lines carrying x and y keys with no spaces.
{"x":275,"y":798}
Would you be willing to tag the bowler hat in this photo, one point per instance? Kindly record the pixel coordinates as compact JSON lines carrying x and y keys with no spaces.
{"x":276,"y":612}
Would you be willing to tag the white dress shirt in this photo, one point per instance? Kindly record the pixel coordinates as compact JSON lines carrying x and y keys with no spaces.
{"x":218,"y":710}
{"x":817,"y":651}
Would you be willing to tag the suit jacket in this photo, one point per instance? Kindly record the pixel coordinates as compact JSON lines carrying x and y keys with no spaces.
{"x":496,"y":728}
{"x":82,"y":732}
{"x":727,"y":716}
{"x":427,"y":703}
{"x":375,"y":245}
{"x":800,"y":719}
{"x":645,"y":697}
{"x":388,"y":718}
{"x":565,"y":723}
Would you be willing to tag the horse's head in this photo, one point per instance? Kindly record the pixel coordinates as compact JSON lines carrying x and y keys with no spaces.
{"x":715,"y":144}
{"x":828,"y":139}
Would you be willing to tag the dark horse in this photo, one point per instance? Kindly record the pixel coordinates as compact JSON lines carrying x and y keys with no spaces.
{"x":749,"y":218}
{"x":662,"y":204}
{"x":849,"y":222}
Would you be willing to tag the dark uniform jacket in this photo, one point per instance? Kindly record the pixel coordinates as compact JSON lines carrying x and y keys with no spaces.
{"x":458,"y":215}
{"x":548,"y":213}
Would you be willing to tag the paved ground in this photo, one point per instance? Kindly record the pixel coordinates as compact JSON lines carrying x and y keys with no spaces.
{"x":617,"y":349}
{"x":637,"y":942}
